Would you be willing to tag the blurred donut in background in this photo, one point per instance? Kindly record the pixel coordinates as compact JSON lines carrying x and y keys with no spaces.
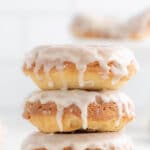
{"x":139,"y":25}
{"x":85,"y":26}
{"x":136,"y":27}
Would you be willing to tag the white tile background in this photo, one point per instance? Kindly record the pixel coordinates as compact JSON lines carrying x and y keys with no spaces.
{"x":27,"y":23}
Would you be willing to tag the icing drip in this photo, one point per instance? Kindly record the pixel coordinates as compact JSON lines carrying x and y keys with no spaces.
{"x":84,"y":118}
{"x":46,"y":70}
{"x":59,"y":117}
{"x":103,"y":141}
{"x":81,"y":81}
{"x":81,"y":56}
{"x":64,"y":83}
{"x":82,"y":99}
{"x":119,"y":114}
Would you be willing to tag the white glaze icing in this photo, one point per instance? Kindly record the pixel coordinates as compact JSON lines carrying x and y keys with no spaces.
{"x":104,"y":141}
{"x":81,"y":56}
{"x":82,"y":99}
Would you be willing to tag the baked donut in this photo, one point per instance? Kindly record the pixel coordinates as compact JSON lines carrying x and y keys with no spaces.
{"x":85,"y":26}
{"x":68,"y":111}
{"x":136,"y":27}
{"x":81,"y":141}
{"x":80,"y":67}
{"x":139,"y":25}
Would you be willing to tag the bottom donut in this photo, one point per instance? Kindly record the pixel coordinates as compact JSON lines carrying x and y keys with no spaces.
{"x":78,"y":141}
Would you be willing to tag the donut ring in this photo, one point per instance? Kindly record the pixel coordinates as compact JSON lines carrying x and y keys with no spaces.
{"x":136,"y":27}
{"x":66,"y":111}
{"x":89,"y":141}
{"x":80,"y":67}
{"x":84,"y":26}
{"x":140,"y":25}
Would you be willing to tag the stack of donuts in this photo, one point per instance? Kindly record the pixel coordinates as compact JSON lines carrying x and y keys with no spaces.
{"x":79,"y":106}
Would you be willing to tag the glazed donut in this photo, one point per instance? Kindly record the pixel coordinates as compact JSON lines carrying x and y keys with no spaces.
{"x":139,"y":25}
{"x":136,"y":27}
{"x":80,"y":67}
{"x":89,"y":141}
{"x":67,"y":111}
{"x":85,"y":26}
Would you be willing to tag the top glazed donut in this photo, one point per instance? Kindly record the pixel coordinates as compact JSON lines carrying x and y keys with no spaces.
{"x":80,"y":67}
